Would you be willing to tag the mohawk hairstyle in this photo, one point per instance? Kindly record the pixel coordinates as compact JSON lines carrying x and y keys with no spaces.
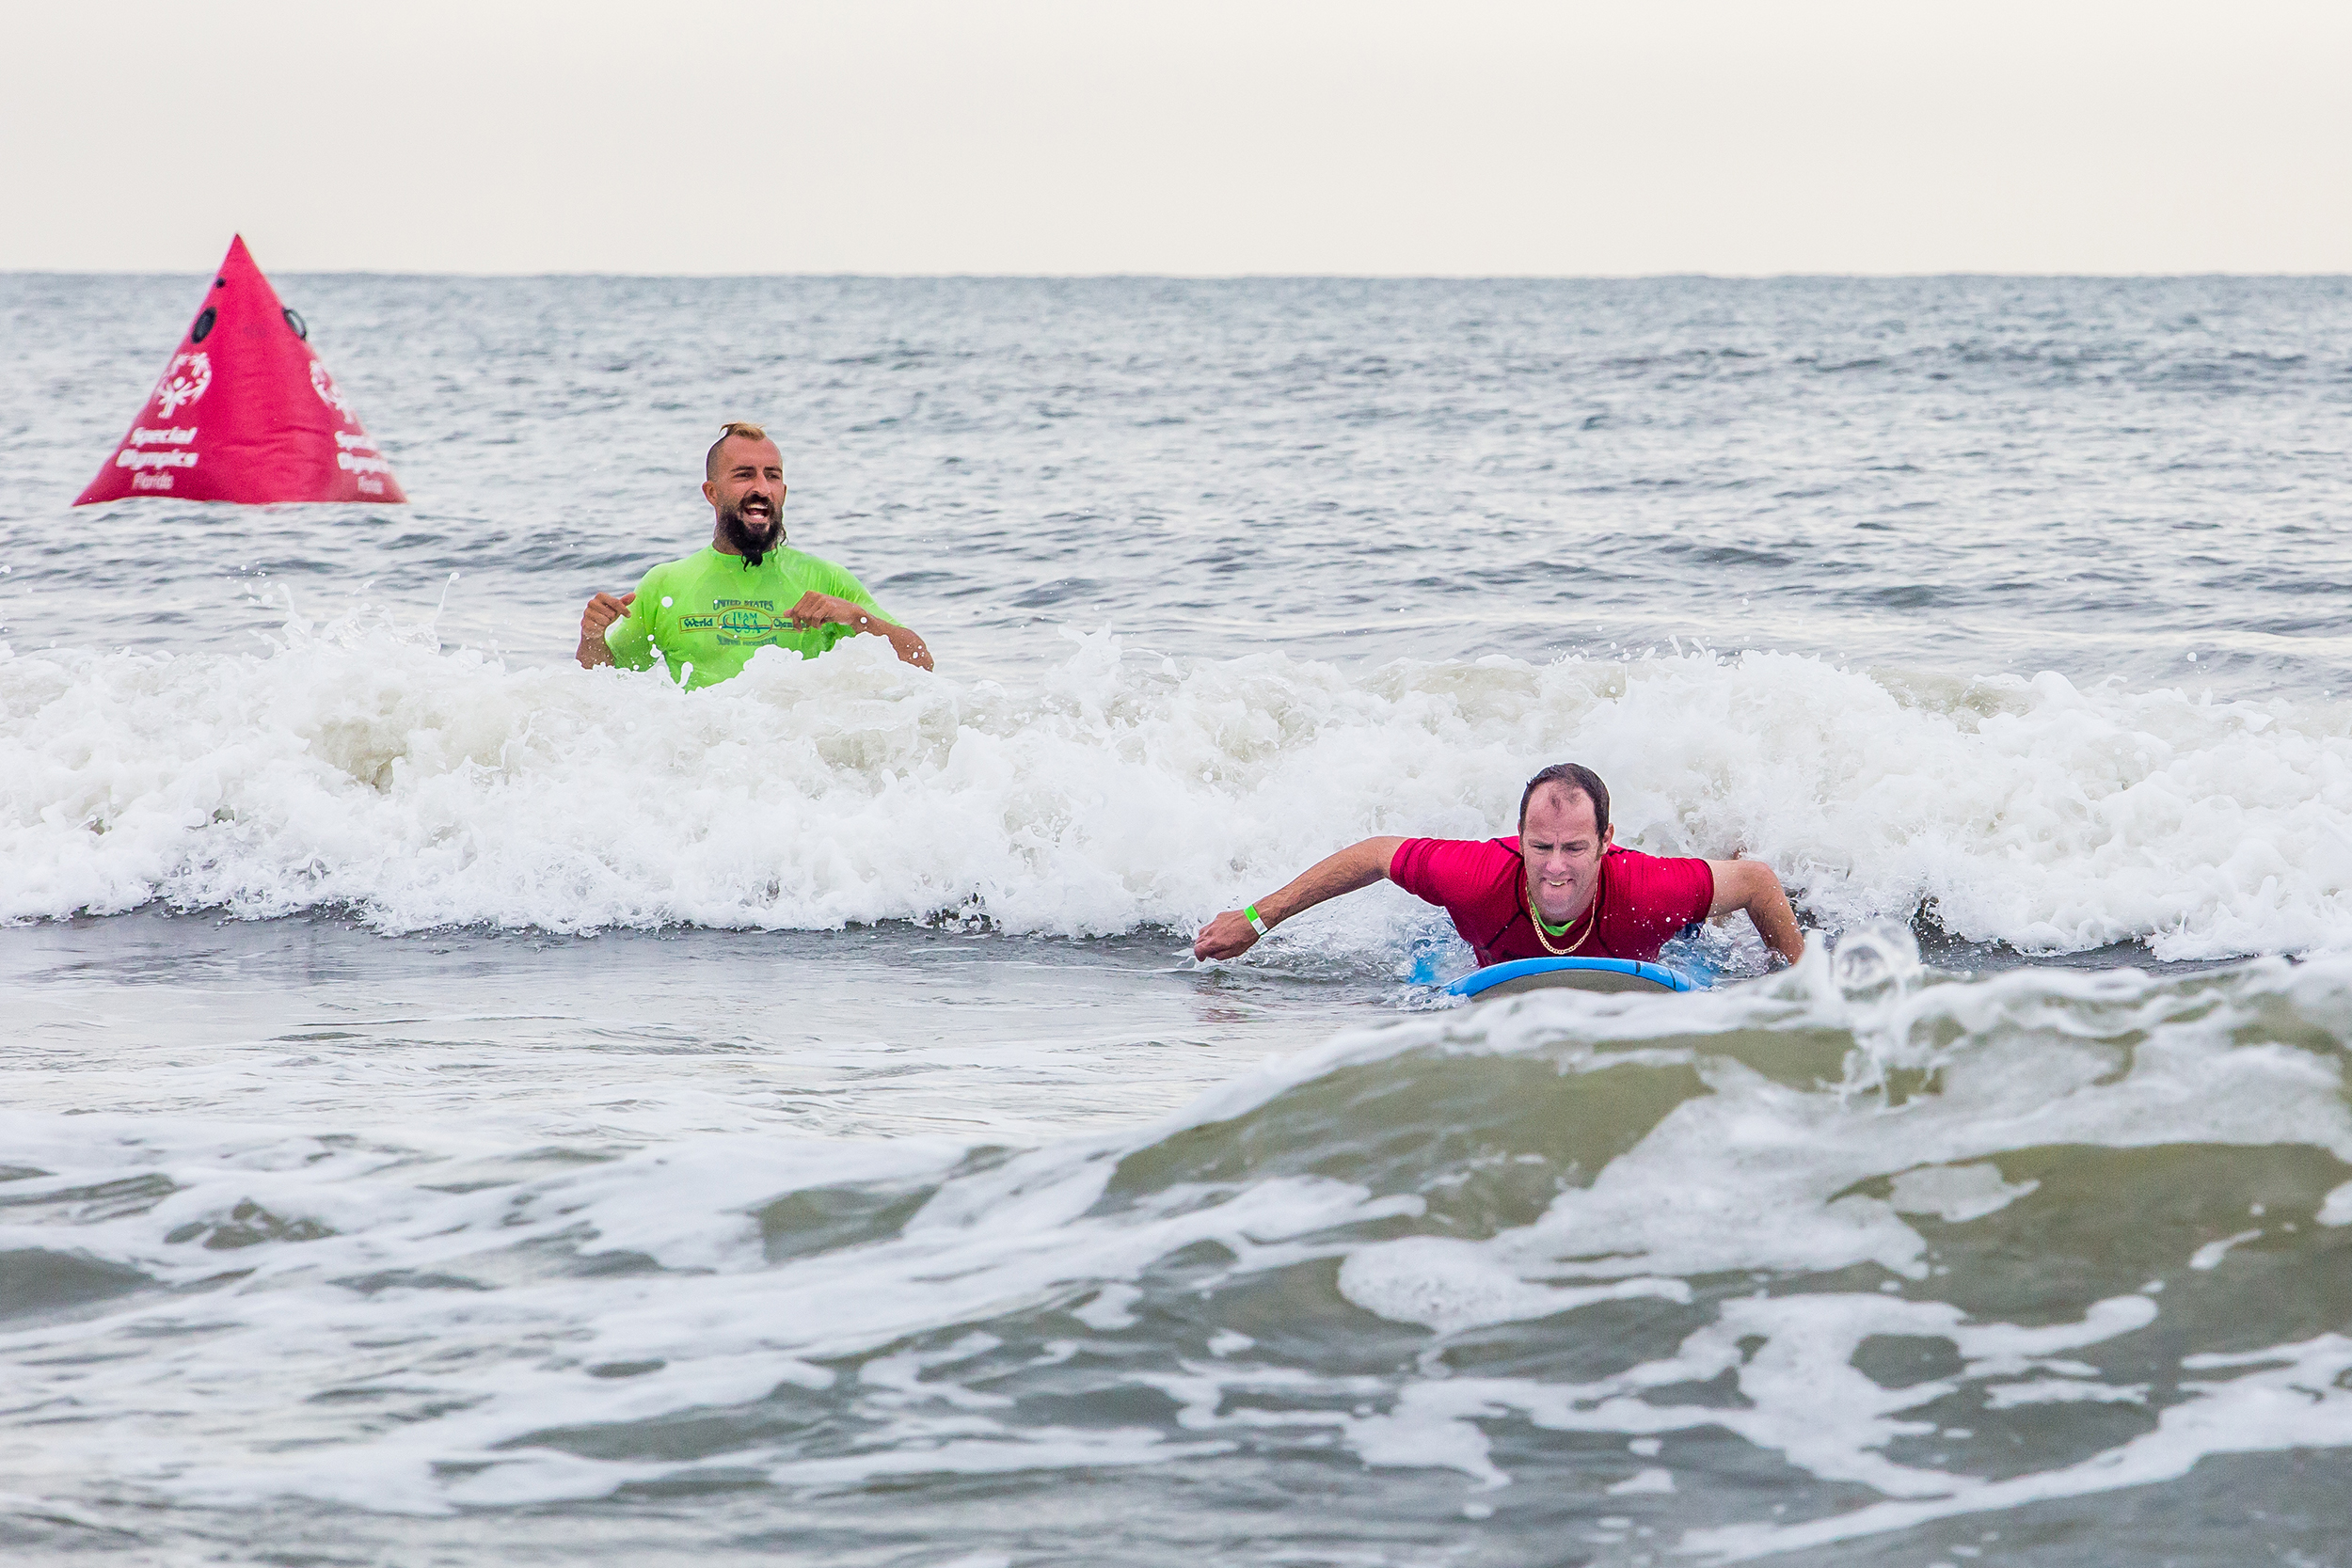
{"x":728,"y":432}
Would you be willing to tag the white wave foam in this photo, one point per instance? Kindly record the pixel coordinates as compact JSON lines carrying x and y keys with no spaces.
{"x":363,"y":767}
{"x":2286,"y":1396}
{"x":1757,"y":1172}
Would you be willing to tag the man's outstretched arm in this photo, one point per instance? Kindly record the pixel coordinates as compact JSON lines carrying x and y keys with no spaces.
{"x":1751,"y":885}
{"x":816,"y":608}
{"x":1230,"y":935}
{"x":594,"y":622}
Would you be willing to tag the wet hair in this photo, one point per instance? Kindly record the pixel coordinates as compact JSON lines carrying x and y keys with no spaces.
{"x":1577,"y":778}
{"x":728,"y":432}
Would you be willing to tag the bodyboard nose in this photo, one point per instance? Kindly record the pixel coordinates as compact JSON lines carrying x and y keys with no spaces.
{"x":1595,"y":974}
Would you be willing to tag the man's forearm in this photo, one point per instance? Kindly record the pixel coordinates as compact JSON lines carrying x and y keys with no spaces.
{"x":904,"y":643}
{"x":593,"y":652}
{"x":1752,"y":886}
{"x":1230,"y":935}
{"x":1359,"y":865}
{"x":1776,"y":918}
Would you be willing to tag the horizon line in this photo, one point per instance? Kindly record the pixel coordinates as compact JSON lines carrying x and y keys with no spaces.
{"x":1693,"y":276}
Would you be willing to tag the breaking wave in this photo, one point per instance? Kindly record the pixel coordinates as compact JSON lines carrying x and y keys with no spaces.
{"x":362,"y":768}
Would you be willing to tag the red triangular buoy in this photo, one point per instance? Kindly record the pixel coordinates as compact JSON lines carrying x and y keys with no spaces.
{"x":246,"y":412}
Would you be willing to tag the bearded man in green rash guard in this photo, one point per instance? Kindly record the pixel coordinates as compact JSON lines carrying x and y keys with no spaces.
{"x":708,"y":615}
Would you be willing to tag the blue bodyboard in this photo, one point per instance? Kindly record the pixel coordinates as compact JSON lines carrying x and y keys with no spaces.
{"x":1521,"y":975}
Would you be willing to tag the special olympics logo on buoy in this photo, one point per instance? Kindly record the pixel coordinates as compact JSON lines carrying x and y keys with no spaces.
{"x":331,"y":394}
{"x":185,"y":381}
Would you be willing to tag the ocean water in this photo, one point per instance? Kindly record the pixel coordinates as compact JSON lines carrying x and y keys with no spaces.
{"x":465,"y":1109}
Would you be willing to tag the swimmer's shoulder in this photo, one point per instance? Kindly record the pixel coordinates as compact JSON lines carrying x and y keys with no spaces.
{"x":829,"y":576}
{"x":795,"y":559}
{"x":662,"y":574}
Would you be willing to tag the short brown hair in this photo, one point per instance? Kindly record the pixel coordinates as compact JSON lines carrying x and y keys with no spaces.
{"x":1575,"y":777}
{"x":728,"y":432}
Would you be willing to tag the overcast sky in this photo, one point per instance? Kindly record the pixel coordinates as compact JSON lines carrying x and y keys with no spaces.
{"x":1204,"y":137}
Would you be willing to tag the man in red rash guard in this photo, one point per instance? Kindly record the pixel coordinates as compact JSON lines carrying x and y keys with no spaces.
{"x":1561,"y":889}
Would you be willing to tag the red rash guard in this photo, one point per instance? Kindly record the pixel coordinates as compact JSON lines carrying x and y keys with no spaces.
{"x":1645,"y":900}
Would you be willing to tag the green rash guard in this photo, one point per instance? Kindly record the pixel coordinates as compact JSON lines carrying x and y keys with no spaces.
{"x":712,"y":611}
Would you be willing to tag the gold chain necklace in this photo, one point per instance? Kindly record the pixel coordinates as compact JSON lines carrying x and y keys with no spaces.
{"x":1534,"y":918}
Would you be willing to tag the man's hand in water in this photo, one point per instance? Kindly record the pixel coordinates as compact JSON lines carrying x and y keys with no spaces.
{"x":1228,"y":936}
{"x":817,"y":610}
{"x":595,"y":620}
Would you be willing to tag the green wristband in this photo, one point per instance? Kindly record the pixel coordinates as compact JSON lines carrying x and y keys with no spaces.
{"x":1250,"y":915}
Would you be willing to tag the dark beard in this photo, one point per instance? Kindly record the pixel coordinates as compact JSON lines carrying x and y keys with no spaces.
{"x":748,"y":541}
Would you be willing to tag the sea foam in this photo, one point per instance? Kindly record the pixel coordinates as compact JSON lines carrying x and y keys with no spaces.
{"x":364,"y":768}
